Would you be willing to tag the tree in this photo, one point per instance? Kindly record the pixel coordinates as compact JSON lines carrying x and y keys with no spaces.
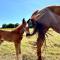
{"x":4,"y":25}
{"x":16,"y":25}
{"x":10,"y":25}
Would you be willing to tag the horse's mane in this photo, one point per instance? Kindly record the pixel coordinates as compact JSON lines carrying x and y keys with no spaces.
{"x":35,"y":12}
{"x":18,"y":27}
{"x":39,"y":13}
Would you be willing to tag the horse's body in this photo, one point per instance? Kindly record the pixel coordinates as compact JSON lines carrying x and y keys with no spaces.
{"x":9,"y":36}
{"x":15,"y":36}
{"x":48,"y":17}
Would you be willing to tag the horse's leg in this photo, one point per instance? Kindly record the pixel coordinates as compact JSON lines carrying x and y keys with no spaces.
{"x":17,"y":50}
{"x":40,"y":41}
{"x":20,"y":50}
{"x":1,"y":42}
{"x":20,"y":47}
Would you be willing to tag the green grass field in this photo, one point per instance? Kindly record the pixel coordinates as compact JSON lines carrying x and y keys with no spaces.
{"x":28,"y":48}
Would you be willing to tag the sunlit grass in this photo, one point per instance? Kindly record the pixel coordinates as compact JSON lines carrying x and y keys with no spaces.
{"x":28,"y":50}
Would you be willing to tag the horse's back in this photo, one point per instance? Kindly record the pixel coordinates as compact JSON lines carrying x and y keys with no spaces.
{"x":55,"y":9}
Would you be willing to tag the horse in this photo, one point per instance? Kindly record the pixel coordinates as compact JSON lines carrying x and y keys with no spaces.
{"x":15,"y":36}
{"x":42,"y":20}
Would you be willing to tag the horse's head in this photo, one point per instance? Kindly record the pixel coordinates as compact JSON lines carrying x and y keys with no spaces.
{"x":25,"y":26}
{"x":35,"y":15}
{"x":32,"y":21}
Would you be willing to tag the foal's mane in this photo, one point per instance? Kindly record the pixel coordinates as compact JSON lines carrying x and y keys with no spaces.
{"x":18,"y":28}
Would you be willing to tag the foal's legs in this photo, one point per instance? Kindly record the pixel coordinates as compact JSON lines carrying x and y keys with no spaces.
{"x":17,"y":47}
{"x":0,"y":40}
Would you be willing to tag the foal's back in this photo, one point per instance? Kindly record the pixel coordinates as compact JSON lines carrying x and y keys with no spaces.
{"x":8,"y":36}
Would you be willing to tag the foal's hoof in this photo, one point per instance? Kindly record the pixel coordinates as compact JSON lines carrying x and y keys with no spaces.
{"x":1,"y":42}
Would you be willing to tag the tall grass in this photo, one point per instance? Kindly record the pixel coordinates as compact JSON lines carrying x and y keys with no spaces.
{"x":28,"y":48}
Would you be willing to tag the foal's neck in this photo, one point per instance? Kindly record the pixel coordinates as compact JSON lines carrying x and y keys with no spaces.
{"x":18,"y":29}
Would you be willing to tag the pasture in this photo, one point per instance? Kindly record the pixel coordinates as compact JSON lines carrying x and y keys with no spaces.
{"x":28,"y":48}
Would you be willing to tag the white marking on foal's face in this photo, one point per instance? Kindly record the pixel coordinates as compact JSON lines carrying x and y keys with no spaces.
{"x":26,"y":25}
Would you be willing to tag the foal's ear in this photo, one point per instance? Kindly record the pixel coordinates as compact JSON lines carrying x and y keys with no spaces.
{"x":23,"y":21}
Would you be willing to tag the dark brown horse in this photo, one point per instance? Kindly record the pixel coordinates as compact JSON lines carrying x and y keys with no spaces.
{"x":15,"y":36}
{"x":41,"y":21}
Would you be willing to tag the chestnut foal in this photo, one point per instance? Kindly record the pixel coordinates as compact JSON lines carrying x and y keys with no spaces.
{"x":15,"y":36}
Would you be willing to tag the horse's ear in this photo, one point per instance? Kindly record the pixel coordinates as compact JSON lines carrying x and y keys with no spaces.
{"x":23,"y":21}
{"x":28,"y":21}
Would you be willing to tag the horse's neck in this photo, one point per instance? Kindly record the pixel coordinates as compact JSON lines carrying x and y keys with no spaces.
{"x":55,"y":22}
{"x":50,"y":19}
{"x":18,"y":29}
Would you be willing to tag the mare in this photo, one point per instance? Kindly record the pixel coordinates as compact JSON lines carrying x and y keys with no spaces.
{"x":41,"y":21}
{"x":15,"y":36}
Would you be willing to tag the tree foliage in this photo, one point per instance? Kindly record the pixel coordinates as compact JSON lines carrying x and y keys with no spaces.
{"x":10,"y":25}
{"x":4,"y":25}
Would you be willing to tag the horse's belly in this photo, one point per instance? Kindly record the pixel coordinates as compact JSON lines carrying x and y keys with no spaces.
{"x":6,"y":39}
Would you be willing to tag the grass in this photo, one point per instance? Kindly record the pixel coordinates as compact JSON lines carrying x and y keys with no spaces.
{"x":28,"y":48}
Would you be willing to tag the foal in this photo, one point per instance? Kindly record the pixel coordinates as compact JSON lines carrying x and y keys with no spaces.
{"x":15,"y":36}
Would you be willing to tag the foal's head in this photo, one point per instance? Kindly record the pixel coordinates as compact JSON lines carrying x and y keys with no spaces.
{"x":25,"y":26}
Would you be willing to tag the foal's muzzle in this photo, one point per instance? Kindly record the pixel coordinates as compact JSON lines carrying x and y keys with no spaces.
{"x":28,"y":34}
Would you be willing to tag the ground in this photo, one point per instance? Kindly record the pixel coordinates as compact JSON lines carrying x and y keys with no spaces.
{"x":28,"y":48}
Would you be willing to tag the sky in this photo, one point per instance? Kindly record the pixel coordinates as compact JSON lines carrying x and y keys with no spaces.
{"x":13,"y":11}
